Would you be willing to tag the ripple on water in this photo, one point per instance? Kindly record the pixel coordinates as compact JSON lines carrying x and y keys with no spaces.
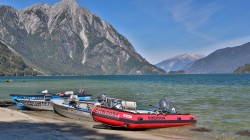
{"x":220,"y":102}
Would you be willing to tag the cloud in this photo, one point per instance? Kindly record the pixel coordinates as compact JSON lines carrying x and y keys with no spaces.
{"x":193,"y":16}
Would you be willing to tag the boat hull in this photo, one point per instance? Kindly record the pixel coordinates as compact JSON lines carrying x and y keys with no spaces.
{"x":37,"y":105}
{"x":130,"y":120}
{"x":70,"y":112}
{"x":6,"y":103}
{"x":15,"y":97}
{"x":20,"y":98}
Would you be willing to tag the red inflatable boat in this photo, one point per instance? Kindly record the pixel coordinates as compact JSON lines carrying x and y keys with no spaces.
{"x":126,"y":115}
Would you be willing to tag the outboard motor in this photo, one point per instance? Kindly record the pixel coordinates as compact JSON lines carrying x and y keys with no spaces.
{"x":74,"y":97}
{"x":102,"y":97}
{"x":163,"y":105}
{"x":73,"y":100}
{"x":109,"y":103}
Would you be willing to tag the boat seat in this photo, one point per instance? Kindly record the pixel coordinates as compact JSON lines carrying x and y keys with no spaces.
{"x":83,"y":106}
{"x":127,"y":105}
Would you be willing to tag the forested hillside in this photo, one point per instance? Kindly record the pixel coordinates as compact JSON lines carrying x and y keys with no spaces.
{"x":243,"y":69}
{"x":11,"y":64}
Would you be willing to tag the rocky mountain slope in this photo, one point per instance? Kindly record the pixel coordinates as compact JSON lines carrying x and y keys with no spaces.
{"x":68,"y":39}
{"x":11,"y":64}
{"x":222,"y":61}
{"x":178,"y":62}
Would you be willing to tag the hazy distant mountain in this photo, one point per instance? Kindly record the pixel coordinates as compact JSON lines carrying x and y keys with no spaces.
{"x":68,"y":39}
{"x":178,"y":62}
{"x":222,"y":61}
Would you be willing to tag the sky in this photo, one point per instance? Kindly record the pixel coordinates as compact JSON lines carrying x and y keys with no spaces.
{"x":161,"y":29}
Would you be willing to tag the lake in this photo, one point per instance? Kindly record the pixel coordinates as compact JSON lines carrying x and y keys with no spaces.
{"x":221,"y":102}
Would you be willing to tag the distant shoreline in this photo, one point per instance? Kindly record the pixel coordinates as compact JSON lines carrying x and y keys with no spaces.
{"x":126,"y":75}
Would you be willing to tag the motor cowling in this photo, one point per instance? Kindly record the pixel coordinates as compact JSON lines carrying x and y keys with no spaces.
{"x":163,"y":104}
{"x":102,"y":97}
{"x":74,"y":98}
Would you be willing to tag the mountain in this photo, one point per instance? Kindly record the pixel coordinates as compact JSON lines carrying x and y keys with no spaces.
{"x":224,"y":60}
{"x":11,"y":64}
{"x":243,"y":69}
{"x":178,"y":62}
{"x":68,"y":39}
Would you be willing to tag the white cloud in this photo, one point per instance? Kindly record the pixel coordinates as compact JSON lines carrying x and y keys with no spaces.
{"x":193,"y":16}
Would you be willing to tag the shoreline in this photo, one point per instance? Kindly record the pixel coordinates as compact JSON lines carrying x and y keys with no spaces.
{"x":21,"y":124}
{"x":30,"y":125}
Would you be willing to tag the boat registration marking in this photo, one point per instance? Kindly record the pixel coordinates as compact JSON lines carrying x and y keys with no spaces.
{"x":156,"y":118}
{"x":106,"y":112}
{"x":127,"y":116}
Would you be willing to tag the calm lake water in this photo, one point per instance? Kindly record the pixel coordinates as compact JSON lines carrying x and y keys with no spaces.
{"x":221,"y":102}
